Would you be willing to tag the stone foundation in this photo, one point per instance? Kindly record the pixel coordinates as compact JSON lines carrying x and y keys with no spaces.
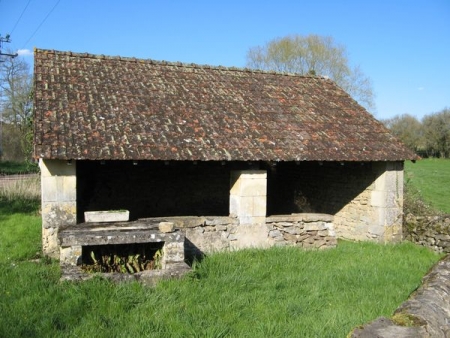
{"x":211,"y":234}
{"x":302,"y":230}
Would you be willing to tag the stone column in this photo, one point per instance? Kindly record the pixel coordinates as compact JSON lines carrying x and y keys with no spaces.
{"x":387,"y":202}
{"x":59,"y":206}
{"x":248,"y":196}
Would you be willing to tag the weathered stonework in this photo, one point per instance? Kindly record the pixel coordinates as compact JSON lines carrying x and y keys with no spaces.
{"x":431,"y":231}
{"x":302,"y":230}
{"x":376,"y":213}
{"x":248,"y":196}
{"x":211,"y":234}
{"x":59,"y":206}
{"x":365,"y":200}
{"x":74,"y":238}
{"x":428,"y":309}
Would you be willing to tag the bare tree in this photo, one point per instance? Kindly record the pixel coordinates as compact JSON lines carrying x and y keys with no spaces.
{"x":437,"y":133}
{"x":409,"y":130}
{"x":16,"y":102}
{"x":313,"y":55}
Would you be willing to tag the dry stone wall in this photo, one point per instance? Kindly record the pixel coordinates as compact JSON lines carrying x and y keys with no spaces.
{"x":426,"y":313}
{"x":430,"y":231}
{"x":211,"y":234}
{"x":302,"y":230}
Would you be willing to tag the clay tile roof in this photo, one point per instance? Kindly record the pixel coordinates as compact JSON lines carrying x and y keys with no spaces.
{"x":100,"y":107}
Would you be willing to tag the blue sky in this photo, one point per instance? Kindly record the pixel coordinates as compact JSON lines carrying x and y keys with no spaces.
{"x":403,"y":46}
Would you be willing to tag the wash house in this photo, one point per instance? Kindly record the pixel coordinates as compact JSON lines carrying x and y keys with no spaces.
{"x":233,"y":157}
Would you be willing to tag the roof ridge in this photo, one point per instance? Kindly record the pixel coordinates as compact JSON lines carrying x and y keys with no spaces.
{"x":175,"y":63}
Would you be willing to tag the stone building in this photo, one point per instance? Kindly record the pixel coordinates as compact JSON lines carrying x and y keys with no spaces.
{"x":234,"y":157}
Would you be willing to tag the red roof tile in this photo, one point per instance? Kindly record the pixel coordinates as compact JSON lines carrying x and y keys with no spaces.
{"x":98,"y":107}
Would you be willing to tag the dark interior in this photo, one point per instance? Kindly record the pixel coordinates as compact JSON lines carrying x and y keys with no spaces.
{"x":183,"y":188}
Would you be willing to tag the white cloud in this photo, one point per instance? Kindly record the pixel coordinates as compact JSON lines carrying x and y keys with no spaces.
{"x":25,"y":52}
{"x":421,"y":88}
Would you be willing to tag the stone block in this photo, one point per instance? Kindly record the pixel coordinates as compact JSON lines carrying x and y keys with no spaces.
{"x":253,"y":187}
{"x":70,"y":255}
{"x":221,"y":220}
{"x":57,"y":168}
{"x":235,"y":202}
{"x":180,"y":221}
{"x":378,"y":198}
{"x":291,"y":238}
{"x":166,"y":227}
{"x":393,"y":233}
{"x":49,"y":189}
{"x":50,"y":244}
{"x":284,"y":224}
{"x":315,"y":226}
{"x":259,"y":220}
{"x":246,"y":206}
{"x":55,"y":214}
{"x":253,"y":174}
{"x":323,"y":233}
{"x":248,"y":200}
{"x":302,"y":238}
{"x":275,"y":234}
{"x":106,"y":216}
{"x":252,"y":235}
{"x":293,"y":230}
{"x":259,"y":206}
{"x":68,"y":189}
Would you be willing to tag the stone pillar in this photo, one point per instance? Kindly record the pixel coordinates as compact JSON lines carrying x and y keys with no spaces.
{"x":248,"y":196}
{"x":387,"y":202}
{"x":59,"y":206}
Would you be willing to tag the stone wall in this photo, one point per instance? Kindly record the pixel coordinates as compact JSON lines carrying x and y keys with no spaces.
{"x":302,"y":230}
{"x":425,"y":314}
{"x":211,"y":234}
{"x":366,"y":198}
{"x":59,"y":207}
{"x":376,"y":213}
{"x":430,"y":231}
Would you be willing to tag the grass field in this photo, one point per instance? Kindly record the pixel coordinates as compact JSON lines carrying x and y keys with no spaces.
{"x":8,"y":168}
{"x":278,"y":292}
{"x":431,"y":177}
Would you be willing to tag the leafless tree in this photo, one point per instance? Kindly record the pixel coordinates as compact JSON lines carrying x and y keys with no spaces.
{"x":16,"y":104}
{"x":313,"y":55}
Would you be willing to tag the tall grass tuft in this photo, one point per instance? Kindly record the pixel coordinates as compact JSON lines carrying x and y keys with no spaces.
{"x":22,"y":194}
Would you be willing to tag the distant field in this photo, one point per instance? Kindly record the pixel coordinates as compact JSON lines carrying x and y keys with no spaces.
{"x":14,"y":168}
{"x":431,"y":177}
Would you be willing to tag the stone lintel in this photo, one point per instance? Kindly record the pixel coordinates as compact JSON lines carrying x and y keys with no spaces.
{"x":178,"y":221}
{"x":304,"y":217}
{"x":74,"y":237}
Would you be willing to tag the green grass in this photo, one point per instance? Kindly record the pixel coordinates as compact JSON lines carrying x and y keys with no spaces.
{"x":431,"y":177}
{"x":251,"y":293}
{"x":10,"y":168}
{"x":277,"y":292}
